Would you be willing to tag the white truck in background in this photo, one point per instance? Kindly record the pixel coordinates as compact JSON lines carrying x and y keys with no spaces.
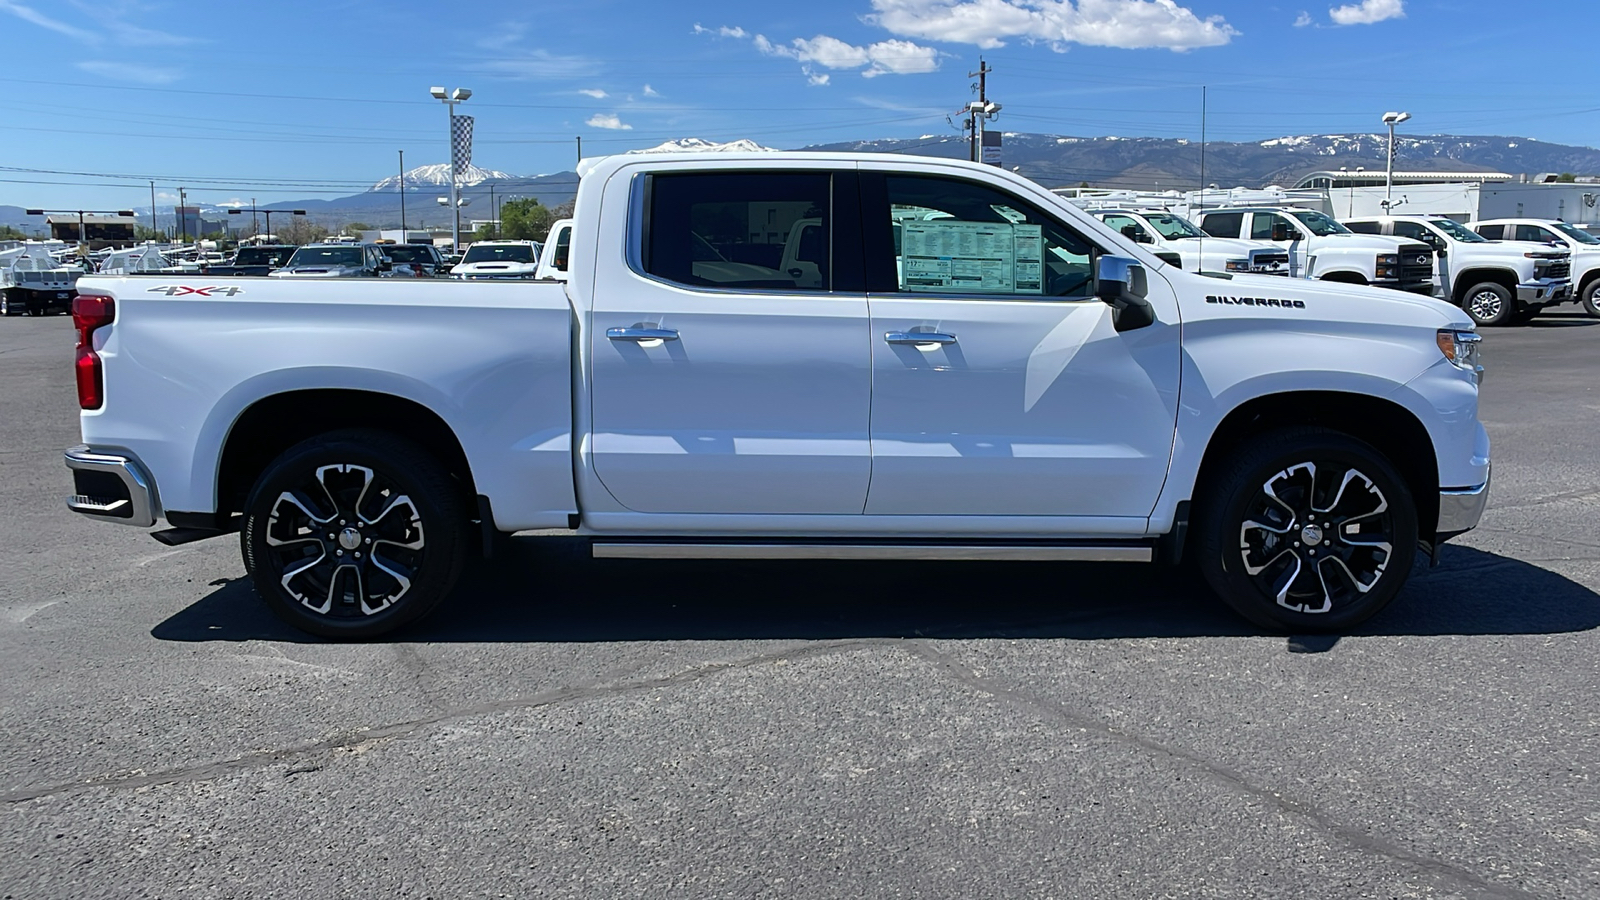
{"x":1012,"y":380}
{"x":1196,"y":251}
{"x":1320,"y":248}
{"x":557,"y":252}
{"x":1496,"y":282}
{"x":1584,"y":246}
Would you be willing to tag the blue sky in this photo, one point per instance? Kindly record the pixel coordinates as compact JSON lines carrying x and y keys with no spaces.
{"x":289,"y":99}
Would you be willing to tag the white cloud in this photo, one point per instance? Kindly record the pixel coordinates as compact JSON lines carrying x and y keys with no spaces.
{"x":883,"y":58}
{"x":1367,"y":12}
{"x":814,"y":79}
{"x":1127,"y":24}
{"x":594,"y":92}
{"x":607,"y":121}
{"x":1302,"y":20}
{"x":725,"y":31}
{"x":117,"y":71}
{"x":651,"y":92}
{"x":29,"y":14}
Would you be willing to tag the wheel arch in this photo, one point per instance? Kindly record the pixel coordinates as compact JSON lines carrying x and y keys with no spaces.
{"x":273,"y":424}
{"x":1387,"y":426}
{"x":1467,"y":279}
{"x":1343,"y":276}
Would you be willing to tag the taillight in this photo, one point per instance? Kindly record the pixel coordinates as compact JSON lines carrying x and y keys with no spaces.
{"x":90,"y":311}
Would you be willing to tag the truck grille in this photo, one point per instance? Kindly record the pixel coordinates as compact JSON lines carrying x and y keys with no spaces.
{"x":1416,"y":263}
{"x":1561,"y":268}
{"x":1269,"y":262}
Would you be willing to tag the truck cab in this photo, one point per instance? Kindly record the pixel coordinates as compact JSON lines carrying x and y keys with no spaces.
{"x":1496,"y":282}
{"x":1585,"y":249}
{"x":1320,"y":248}
{"x":1196,"y":251}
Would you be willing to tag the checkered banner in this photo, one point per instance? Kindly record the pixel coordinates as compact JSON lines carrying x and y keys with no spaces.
{"x":460,"y":144}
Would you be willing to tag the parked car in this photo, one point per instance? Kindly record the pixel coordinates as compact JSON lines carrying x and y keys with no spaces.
{"x":553,"y":264}
{"x":1319,"y":247}
{"x":1584,"y":246}
{"x":335,"y":261}
{"x":412,"y":260}
{"x":34,"y":282}
{"x":1197,"y":251}
{"x":498,"y":260}
{"x":1299,"y":440}
{"x":254,"y":261}
{"x":1496,"y":282}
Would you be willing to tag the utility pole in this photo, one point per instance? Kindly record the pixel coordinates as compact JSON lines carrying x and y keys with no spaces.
{"x":978,"y":111}
{"x":495,"y":217}
{"x":154,"y":228}
{"x":183,"y":202}
{"x":402,"y":196}
{"x":580,"y":148}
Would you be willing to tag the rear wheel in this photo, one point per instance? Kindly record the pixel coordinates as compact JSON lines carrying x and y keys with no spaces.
{"x":1307,"y":530}
{"x":353,"y":534}
{"x":1489,"y":303}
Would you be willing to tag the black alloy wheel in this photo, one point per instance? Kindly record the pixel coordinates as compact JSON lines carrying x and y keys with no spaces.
{"x":1309,"y":530}
{"x":353,"y":534}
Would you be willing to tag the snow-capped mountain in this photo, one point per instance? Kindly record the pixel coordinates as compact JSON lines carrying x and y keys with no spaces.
{"x":697,"y":145}
{"x":438,"y":175}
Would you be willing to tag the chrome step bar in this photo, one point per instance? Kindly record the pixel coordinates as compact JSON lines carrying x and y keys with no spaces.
{"x":613,"y":549}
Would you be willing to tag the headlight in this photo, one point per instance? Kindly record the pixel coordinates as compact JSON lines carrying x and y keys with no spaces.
{"x":1388,"y":259}
{"x":1237,"y":265}
{"x":1461,"y":348}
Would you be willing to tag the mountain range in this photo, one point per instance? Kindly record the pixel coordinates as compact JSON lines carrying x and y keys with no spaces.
{"x":1054,"y":160}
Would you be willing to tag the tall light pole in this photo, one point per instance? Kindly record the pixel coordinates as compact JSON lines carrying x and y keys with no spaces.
{"x":460,"y":202}
{"x":403,"y":197}
{"x":1391,"y":119}
{"x":450,"y":99}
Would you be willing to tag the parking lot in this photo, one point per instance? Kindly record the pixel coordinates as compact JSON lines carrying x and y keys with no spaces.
{"x":606,"y":728}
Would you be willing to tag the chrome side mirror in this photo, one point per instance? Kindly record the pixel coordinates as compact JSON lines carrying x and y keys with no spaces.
{"x":1121,"y":283}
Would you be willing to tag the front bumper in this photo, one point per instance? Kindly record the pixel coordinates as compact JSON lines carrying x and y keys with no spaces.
{"x":1544,"y":292}
{"x":1460,"y":509}
{"x":111,"y":485}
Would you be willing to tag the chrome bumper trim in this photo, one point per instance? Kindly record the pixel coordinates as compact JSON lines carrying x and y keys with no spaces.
{"x":1461,"y":509}
{"x":138,"y":508}
{"x":1549,"y":291}
{"x":725,"y":550}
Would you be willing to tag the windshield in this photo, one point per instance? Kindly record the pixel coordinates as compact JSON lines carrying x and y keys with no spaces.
{"x":1172,"y":227}
{"x":401,"y":253}
{"x":522,"y":253}
{"x":262,"y":256}
{"x":1577,"y":234}
{"x":326,"y":256}
{"x":1458,"y":231}
{"x":1319,"y":224}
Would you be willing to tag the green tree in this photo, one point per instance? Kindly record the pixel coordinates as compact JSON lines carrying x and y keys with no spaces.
{"x":7,"y":233}
{"x":1566,"y":178}
{"x":301,"y":231}
{"x":525,"y":220}
{"x":485,"y":232}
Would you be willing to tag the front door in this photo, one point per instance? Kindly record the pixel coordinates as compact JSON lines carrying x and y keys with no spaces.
{"x":722,"y":383}
{"x":1000,"y":387}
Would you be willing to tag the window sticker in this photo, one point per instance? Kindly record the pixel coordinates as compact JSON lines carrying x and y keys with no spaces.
{"x":971,"y":257}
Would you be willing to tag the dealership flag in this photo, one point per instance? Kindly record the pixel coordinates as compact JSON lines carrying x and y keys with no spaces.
{"x":460,"y":145}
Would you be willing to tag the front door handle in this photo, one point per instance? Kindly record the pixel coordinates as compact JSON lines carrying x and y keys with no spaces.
{"x":918,"y":337}
{"x":641,"y":334}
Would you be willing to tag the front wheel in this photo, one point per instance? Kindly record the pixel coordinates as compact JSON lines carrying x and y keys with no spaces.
{"x":1307,"y":530}
{"x":1489,"y":303}
{"x":1590,"y":297}
{"x":353,"y":534}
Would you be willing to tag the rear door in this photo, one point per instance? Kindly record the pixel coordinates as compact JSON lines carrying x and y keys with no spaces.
{"x":720,"y":382}
{"x":1000,"y":387}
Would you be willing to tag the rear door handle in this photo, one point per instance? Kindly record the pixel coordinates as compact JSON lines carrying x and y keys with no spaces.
{"x":918,"y":337}
{"x":641,"y":334}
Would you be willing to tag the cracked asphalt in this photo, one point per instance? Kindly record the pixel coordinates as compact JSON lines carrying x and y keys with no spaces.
{"x":567,"y":727}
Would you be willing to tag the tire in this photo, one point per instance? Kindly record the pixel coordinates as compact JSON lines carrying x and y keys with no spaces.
{"x":6,"y":309}
{"x":353,"y":534}
{"x":1590,"y":298}
{"x":1489,"y":303}
{"x":1273,"y":538}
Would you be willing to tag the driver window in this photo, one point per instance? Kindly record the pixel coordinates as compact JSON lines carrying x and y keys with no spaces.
{"x":1417,"y":232}
{"x":1120,"y":224}
{"x":1261,"y":226}
{"x":958,"y":237}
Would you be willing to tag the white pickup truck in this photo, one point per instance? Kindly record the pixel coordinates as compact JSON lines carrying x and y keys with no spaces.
{"x":1319,"y":247}
{"x":1197,"y":251}
{"x":1011,"y":381}
{"x":1584,"y":246}
{"x":1496,"y":282}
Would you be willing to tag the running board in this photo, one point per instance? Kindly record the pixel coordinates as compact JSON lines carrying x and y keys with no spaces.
{"x":612,"y":549}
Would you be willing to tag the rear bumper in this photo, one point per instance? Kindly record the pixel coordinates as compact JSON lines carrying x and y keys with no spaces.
{"x":1460,"y":509}
{"x":1544,"y":292}
{"x":111,"y":485}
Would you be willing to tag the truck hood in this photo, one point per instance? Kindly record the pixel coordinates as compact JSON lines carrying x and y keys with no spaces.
{"x":1232,"y":246}
{"x":496,"y":269}
{"x":1377,"y":243}
{"x":1335,"y":301}
{"x":1514,"y":250}
{"x":317,"y":272}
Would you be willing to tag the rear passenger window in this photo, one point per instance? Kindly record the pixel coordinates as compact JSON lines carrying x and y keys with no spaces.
{"x":1223,"y":225}
{"x":737,"y":230}
{"x":1364,"y":227}
{"x":1492,"y":232}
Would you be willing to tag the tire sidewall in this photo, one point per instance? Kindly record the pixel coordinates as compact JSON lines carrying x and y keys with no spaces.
{"x":1590,"y":298}
{"x":416,"y":475}
{"x":1508,"y":303}
{"x":1224,"y":568}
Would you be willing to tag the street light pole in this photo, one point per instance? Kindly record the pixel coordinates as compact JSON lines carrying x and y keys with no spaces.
{"x":1391,"y":119}
{"x":402,"y":196}
{"x":450,"y":99}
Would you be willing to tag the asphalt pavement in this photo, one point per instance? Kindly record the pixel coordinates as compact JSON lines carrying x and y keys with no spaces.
{"x":568,"y":727}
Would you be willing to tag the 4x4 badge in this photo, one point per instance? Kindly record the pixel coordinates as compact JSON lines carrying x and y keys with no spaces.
{"x":179,"y":290}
